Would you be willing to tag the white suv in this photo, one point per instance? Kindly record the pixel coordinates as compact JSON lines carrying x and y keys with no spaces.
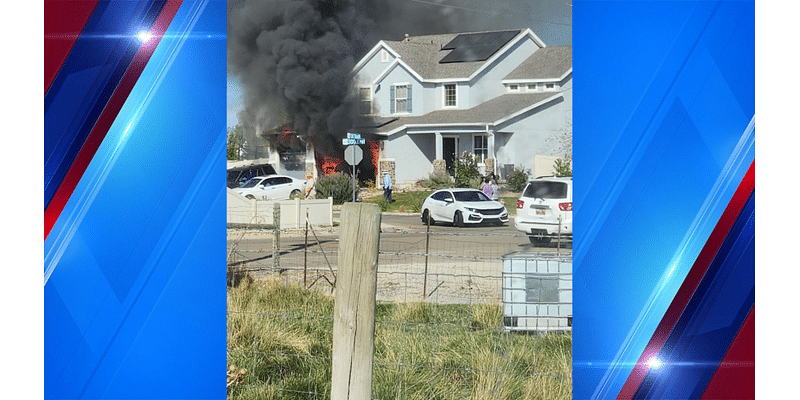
{"x":545,"y":209}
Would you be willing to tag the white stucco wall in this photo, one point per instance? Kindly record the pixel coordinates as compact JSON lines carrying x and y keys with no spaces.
{"x":398,"y":75}
{"x":487,"y":84}
{"x":521,"y":140}
{"x":413,"y":155}
{"x":372,"y":69}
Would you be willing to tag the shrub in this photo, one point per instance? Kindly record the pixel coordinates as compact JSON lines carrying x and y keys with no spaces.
{"x":338,"y":185}
{"x":466,"y":170}
{"x":416,"y":199}
{"x":383,"y":204}
{"x":563,"y":167}
{"x":437,"y":181}
{"x":517,"y":179}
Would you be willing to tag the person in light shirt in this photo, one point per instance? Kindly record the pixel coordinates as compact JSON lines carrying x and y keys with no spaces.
{"x":387,"y":187}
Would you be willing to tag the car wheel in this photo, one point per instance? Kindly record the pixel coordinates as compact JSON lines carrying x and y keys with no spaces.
{"x":427,"y":219}
{"x":296,"y":194}
{"x":458,"y":220}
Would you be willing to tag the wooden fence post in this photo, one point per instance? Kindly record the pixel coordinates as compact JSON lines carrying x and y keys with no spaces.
{"x":354,"y":306}
{"x":276,"y":238}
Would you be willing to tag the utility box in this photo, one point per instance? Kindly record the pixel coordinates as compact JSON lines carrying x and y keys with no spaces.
{"x":537,"y":292}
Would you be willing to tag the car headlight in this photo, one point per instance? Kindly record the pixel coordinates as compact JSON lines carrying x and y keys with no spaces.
{"x":474,"y":210}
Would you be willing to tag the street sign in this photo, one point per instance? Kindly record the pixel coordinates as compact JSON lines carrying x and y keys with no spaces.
{"x":347,"y":142}
{"x":353,"y":138}
{"x":353,"y":154}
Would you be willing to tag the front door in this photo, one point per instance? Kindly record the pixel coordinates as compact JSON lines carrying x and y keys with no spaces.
{"x":450,"y":149}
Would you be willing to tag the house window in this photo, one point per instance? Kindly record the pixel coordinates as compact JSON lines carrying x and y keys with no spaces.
{"x":480,"y":147}
{"x":550,"y":86}
{"x":365,"y":100}
{"x":400,"y":99}
{"x":450,"y":95}
{"x":384,"y":55}
{"x":531,"y":87}
{"x":513,"y":88}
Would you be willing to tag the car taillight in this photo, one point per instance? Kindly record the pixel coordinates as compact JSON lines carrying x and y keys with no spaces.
{"x":565,"y":206}
{"x":520,"y":204}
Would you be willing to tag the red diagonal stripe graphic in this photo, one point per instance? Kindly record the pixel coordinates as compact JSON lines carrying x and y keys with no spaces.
{"x":107,"y":117}
{"x":735,"y":377}
{"x":63,"y":23}
{"x":689,"y":285}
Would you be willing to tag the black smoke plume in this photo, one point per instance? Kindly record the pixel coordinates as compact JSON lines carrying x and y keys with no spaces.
{"x":294,"y":58}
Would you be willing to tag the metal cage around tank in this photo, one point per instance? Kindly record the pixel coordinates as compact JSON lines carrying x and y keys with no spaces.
{"x":537,"y":292}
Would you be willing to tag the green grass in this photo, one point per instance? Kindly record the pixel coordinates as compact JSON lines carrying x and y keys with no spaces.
{"x":409,"y":202}
{"x":511,"y":204}
{"x":281,"y":336}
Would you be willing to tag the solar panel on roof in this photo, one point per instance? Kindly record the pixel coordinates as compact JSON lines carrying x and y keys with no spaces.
{"x":451,"y":45}
{"x":469,"y":47}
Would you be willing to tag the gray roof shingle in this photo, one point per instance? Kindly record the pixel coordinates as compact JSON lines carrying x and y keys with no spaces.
{"x":423,"y":53}
{"x":550,"y":62}
{"x":485,"y":113}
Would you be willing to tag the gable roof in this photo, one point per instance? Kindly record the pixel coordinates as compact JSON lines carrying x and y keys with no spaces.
{"x":551,"y":62}
{"x":423,"y":54}
{"x":491,"y":112}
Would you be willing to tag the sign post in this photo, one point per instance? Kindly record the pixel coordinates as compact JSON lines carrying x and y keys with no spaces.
{"x":353,"y":154}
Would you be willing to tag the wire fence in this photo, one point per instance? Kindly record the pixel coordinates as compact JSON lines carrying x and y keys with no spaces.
{"x":443,"y":325}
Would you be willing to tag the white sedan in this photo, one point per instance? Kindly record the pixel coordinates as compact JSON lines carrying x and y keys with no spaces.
{"x":462,"y":206}
{"x":272,"y":187}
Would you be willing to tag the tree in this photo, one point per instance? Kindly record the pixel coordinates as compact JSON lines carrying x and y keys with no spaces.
{"x":563,"y":165}
{"x":466,"y":170}
{"x":235,"y":142}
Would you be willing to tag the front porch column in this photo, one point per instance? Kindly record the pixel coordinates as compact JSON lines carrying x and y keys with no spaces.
{"x":439,"y":166}
{"x":490,"y":156}
{"x":439,"y":146}
{"x":311,"y":162}
{"x":274,"y":158}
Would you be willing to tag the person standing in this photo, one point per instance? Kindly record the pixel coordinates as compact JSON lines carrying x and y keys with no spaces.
{"x":488,"y":189}
{"x":387,"y":187}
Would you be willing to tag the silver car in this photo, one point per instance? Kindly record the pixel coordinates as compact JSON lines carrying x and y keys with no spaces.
{"x":461,"y":207}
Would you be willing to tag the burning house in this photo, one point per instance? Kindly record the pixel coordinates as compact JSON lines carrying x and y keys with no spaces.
{"x":313,"y":68}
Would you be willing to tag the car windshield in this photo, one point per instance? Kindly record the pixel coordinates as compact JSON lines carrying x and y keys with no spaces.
{"x":471,"y":196}
{"x":546,"y":190}
{"x":252,"y":183}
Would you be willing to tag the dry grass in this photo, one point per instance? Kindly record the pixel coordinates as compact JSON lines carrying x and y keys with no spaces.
{"x":282,"y":335}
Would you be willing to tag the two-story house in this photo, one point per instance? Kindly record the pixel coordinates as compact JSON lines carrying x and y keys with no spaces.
{"x":501,"y":95}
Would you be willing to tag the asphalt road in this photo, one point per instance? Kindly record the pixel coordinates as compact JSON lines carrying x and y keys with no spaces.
{"x":452,"y":264}
{"x":407,"y":227}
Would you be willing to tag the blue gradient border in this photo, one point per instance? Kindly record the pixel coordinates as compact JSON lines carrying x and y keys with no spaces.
{"x":664,"y":131}
{"x":134,"y":293}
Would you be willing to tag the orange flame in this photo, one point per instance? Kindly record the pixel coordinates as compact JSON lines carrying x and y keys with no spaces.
{"x":375,"y":151}
{"x":328,"y":164}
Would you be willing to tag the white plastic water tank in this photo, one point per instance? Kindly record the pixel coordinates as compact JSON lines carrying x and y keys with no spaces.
{"x":537,"y":292}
